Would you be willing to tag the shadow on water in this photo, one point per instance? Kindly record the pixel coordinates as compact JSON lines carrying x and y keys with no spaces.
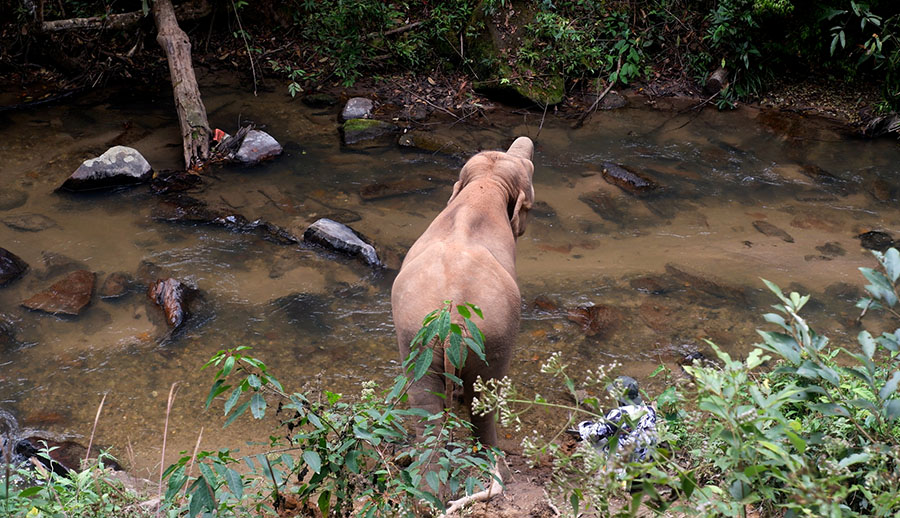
{"x":605,"y":275}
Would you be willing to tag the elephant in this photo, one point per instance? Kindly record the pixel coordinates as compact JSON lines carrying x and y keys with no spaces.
{"x":468,"y":255}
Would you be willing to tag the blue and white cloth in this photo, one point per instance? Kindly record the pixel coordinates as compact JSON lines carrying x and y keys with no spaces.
{"x":635,"y":423}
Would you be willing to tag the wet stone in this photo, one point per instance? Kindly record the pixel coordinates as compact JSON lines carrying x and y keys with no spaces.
{"x":68,"y":296}
{"x":652,"y":284}
{"x":257,"y":147}
{"x":613,"y":101}
{"x":876,"y":240}
{"x":705,"y":283}
{"x":880,"y":190}
{"x":357,"y":108}
{"x":360,"y":130}
{"x":12,"y":199}
{"x":596,"y":321}
{"x":768,"y":229}
{"x":115,"y":285}
{"x":172,"y":296}
{"x":174,"y":181}
{"x":341,"y":238}
{"x":545,"y":304}
{"x":381,"y":190}
{"x":832,"y":249}
{"x":11,"y":267}
{"x":28,"y":222}
{"x":604,"y":205}
{"x":543,"y":210}
{"x":59,"y":264}
{"x":118,"y":166}
{"x":628,"y":179}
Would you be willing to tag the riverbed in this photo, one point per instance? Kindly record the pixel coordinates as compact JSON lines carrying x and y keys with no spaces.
{"x":743,"y":195}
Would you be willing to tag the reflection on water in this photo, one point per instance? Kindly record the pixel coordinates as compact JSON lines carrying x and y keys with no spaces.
{"x":673,"y":268}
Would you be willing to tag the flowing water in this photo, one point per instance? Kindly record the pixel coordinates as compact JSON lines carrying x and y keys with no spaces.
{"x":669,"y":270}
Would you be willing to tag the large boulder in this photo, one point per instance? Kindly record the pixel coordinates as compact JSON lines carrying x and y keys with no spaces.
{"x":256,"y":147}
{"x":357,"y":108}
{"x":68,"y":296}
{"x":341,"y":238}
{"x":119,"y":166}
{"x":11,"y":267}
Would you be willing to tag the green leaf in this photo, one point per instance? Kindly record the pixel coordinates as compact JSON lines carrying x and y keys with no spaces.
{"x":855,"y":458}
{"x":423,"y":362}
{"x":464,"y":311}
{"x":232,"y":400}
{"x":443,"y":325}
{"x":477,"y":348}
{"x":313,"y":460}
{"x":29,"y":492}
{"x":455,"y":352}
{"x":324,"y":503}
{"x":867,"y":343}
{"x":202,"y":497}
{"x":237,"y":413}
{"x":433,"y":482}
{"x":892,"y":409}
{"x":229,"y":366}
{"x":830,"y":409}
{"x":890,"y":387}
{"x":454,"y":379}
{"x":258,"y":406}
{"x":253,"y":381}
{"x":399,"y":384}
{"x":798,"y":443}
{"x":891,"y":262}
{"x":218,"y":388}
{"x":235,"y":483}
{"x":477,"y":310}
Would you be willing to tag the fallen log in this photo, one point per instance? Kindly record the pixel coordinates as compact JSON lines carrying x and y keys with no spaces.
{"x":195,"y":132}
{"x":115,"y":21}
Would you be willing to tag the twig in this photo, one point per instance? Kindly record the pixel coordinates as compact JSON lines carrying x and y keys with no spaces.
{"x":396,"y":30}
{"x":246,"y":45}
{"x":94,"y":429}
{"x":193,"y":458}
{"x":162,"y":462}
{"x":580,"y":122}
{"x":541,"y":125}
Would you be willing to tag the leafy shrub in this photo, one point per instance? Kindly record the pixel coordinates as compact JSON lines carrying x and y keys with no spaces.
{"x":348,"y":457}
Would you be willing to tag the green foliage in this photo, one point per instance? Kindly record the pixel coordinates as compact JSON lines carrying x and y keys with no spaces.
{"x":91,"y":492}
{"x":342,"y":456}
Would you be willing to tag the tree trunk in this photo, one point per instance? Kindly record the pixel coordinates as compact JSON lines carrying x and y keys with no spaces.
{"x":114,"y":21}
{"x":716,"y":81}
{"x":195,"y":131}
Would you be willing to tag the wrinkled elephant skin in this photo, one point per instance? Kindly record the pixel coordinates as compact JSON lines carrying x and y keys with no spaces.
{"x":468,"y":255}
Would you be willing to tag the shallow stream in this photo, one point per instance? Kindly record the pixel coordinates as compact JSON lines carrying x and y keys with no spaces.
{"x":670,"y":269}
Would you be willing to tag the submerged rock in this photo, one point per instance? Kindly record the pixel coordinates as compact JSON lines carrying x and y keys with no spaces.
{"x":119,"y":166}
{"x":604,"y":205}
{"x":185,"y":209}
{"x":341,"y":238}
{"x":28,"y":222}
{"x":115,"y":285}
{"x":628,"y":179}
{"x":257,"y":147}
{"x":357,"y":108}
{"x":56,"y":264}
{"x":12,"y":199}
{"x":705,"y":283}
{"x":381,"y":190}
{"x":359,"y":130}
{"x":11,"y":267}
{"x":599,"y":320}
{"x":771,"y":230}
{"x":174,"y":181}
{"x":319,"y":100}
{"x":172,"y":296}
{"x":68,"y":296}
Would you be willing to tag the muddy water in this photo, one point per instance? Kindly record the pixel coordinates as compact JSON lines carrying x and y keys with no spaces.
{"x":673,"y":268}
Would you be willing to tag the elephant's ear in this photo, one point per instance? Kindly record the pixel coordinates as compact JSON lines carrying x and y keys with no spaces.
{"x":456,"y":188}
{"x":520,"y":211}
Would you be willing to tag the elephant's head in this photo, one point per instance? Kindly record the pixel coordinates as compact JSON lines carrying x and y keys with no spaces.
{"x":513,"y":170}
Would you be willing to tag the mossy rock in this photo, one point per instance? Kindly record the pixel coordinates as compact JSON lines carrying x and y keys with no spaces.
{"x":492,"y":51}
{"x":434,"y":143}
{"x":358,"y":130}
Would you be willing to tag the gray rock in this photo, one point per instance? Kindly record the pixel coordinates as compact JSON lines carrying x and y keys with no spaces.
{"x":358,"y":130}
{"x":28,"y":222}
{"x":358,"y":108}
{"x":341,"y":238}
{"x":613,"y":101}
{"x":11,"y":266}
{"x":119,"y":166}
{"x":12,"y":199}
{"x":68,"y":296}
{"x":257,"y":146}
